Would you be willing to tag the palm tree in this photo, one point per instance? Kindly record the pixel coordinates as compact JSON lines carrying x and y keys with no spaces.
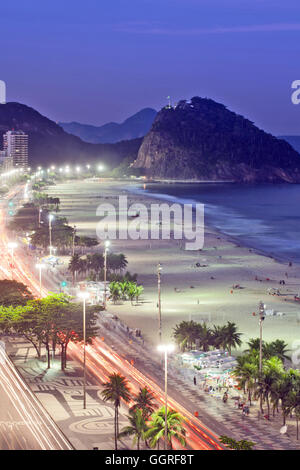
{"x":123,"y":289}
{"x":74,"y":265}
{"x":219,"y":334}
{"x":131,"y":291}
{"x":271,"y":374}
{"x":185,"y":334}
{"x":246,"y":372}
{"x":144,"y":402}
{"x":253,"y":344}
{"x":279,"y":349}
{"x":232,"y":337}
{"x":138,"y":292}
{"x":114,"y":289}
{"x":116,"y":390}
{"x":292,"y":405}
{"x":204,"y":335}
{"x":175,"y":427}
{"x":274,"y":348}
{"x":136,"y":428}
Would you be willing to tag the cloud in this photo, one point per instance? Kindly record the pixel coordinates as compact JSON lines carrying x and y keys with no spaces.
{"x":257,"y":28}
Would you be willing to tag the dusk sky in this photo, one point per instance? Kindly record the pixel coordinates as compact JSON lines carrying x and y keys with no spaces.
{"x":95,"y":61}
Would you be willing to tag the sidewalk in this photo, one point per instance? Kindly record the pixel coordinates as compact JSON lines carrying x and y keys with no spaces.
{"x":222,"y":418}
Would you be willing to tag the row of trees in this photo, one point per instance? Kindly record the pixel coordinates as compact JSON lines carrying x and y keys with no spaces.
{"x":275,"y":387}
{"x":45,"y":201}
{"x":93,"y":265}
{"x":145,"y":423}
{"x":28,"y":220}
{"x":125,"y":290}
{"x":189,"y":333}
{"x":51,"y":322}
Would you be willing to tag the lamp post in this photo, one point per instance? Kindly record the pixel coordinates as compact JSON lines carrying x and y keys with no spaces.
{"x":40,"y":266}
{"x":73,"y":240}
{"x":12,"y":246}
{"x":106,"y":246}
{"x":159,"y":269}
{"x":166,"y":348}
{"x":51,"y":217}
{"x":84,"y":296}
{"x":261,"y":308}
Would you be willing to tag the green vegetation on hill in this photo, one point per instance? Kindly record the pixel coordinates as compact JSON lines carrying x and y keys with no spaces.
{"x":202,"y":139}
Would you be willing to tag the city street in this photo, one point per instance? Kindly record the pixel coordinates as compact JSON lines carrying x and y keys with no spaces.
{"x":205,"y":418}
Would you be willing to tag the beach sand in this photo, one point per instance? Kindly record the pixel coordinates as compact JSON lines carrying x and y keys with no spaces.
{"x":190,"y":292}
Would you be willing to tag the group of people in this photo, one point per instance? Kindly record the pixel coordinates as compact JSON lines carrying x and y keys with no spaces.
{"x":242,"y":406}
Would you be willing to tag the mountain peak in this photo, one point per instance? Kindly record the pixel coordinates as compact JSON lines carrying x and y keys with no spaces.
{"x":201,"y":139}
{"x":135,"y":126}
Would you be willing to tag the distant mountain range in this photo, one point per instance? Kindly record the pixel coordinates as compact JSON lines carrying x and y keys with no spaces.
{"x":202,"y":140}
{"x":293,"y":140}
{"x":198,"y":139}
{"x":49,"y":143}
{"x":134,"y":127}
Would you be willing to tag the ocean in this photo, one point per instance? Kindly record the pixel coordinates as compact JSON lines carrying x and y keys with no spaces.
{"x":265,"y":217}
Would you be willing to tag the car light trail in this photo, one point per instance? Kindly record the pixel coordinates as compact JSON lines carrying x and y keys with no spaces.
{"x":103,"y":361}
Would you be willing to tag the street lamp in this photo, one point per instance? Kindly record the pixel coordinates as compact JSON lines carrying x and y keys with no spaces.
{"x":51,"y":217}
{"x":159,"y":269}
{"x":40,"y":266}
{"x":12,"y":246}
{"x":40,"y":214}
{"x":166,"y":348}
{"x":106,"y":247}
{"x":261,"y":309}
{"x":73,"y":240}
{"x":84,"y":296}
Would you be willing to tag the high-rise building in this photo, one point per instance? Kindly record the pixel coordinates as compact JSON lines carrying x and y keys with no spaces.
{"x":15,"y":145}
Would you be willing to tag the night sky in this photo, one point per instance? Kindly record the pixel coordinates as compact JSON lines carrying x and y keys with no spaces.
{"x":95,"y":61}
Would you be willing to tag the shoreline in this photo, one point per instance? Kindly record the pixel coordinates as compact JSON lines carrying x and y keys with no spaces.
{"x":202,"y":294}
{"x":218,"y":231}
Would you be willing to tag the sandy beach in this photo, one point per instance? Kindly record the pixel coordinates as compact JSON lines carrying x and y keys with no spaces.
{"x":191,"y":292}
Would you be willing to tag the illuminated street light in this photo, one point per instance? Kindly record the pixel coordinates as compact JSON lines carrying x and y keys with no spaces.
{"x":261,"y":309}
{"x":167,"y":348}
{"x":40,"y":213}
{"x":159,"y":270}
{"x":40,"y":267}
{"x":106,"y":247}
{"x":12,"y":246}
{"x":51,"y":217}
{"x":84,"y":296}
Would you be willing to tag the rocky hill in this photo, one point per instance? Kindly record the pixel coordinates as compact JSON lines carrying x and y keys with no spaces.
{"x":203,"y":140}
{"x":49,"y":143}
{"x":134,"y":127}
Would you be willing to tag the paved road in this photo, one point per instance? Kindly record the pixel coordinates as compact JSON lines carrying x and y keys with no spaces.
{"x":24,"y":424}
